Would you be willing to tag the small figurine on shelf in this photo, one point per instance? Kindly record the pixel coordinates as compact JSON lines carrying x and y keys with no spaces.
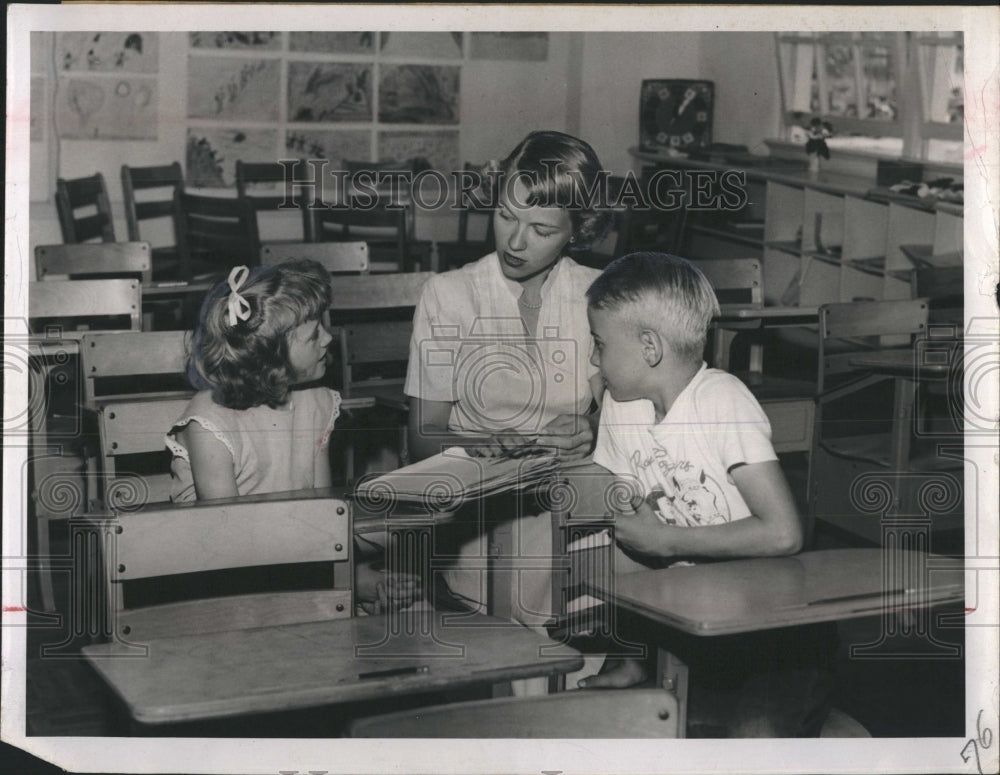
{"x":816,"y":146}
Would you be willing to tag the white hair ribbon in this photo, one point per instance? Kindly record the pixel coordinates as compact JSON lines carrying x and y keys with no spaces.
{"x":239,"y":308}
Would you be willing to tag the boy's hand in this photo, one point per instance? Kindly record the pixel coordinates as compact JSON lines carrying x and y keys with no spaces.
{"x":569,"y":436}
{"x":642,"y":531}
{"x":377,"y":592}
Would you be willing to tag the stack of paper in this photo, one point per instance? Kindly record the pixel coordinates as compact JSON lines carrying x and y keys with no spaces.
{"x":444,"y":481}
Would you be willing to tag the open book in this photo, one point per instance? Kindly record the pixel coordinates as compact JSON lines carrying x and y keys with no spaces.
{"x":446,"y":480}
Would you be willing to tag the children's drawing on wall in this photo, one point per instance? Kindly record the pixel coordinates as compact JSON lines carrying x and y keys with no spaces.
{"x":212,"y":153}
{"x":418,"y":94}
{"x":101,"y":108}
{"x":106,"y":52}
{"x":430,"y":45}
{"x":438,"y":149}
{"x":332,"y":42}
{"x":239,"y":40}
{"x":37,"y":124}
{"x":233,"y":88}
{"x":329,"y":92}
{"x":335,"y":146}
{"x":521,"y":46}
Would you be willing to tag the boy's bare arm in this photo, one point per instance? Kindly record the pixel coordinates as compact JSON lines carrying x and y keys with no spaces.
{"x":773,"y":528}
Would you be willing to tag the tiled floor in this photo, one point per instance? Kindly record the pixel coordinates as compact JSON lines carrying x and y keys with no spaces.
{"x":908,"y":695}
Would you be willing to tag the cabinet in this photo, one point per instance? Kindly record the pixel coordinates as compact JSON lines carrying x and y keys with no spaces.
{"x":823,"y":238}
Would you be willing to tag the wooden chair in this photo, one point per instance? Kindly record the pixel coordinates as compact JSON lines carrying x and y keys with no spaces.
{"x":387,"y":226}
{"x":232,"y":533}
{"x":452,"y":255}
{"x":336,"y":257}
{"x":80,"y":261}
{"x":86,"y":299}
{"x":265,"y":186}
{"x":788,"y":403}
{"x":215,"y":232}
{"x":629,"y":713}
{"x":135,"y":385}
{"x":84,"y":209}
{"x":374,"y":319}
{"x":640,"y":228}
{"x":865,"y":418}
{"x":149,"y":196}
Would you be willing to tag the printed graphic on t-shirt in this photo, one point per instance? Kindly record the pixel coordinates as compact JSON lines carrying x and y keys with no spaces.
{"x":681,"y":492}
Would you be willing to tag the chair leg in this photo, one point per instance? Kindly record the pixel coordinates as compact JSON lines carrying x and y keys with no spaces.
{"x":45,"y":573}
{"x":672,"y":675}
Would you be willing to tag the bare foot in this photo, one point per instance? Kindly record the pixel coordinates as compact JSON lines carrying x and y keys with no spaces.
{"x":616,"y":674}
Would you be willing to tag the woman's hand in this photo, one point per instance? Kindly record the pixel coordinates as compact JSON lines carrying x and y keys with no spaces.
{"x":500,"y":443}
{"x":570,"y":436}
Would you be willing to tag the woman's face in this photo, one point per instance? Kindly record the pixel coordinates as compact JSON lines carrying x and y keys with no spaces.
{"x":529,"y":239}
{"x":307,"y":350}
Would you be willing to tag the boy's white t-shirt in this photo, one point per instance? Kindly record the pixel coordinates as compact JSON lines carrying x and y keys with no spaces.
{"x":684,"y":463}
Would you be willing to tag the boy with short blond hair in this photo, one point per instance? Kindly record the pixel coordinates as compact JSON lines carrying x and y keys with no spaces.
{"x":695,"y":438}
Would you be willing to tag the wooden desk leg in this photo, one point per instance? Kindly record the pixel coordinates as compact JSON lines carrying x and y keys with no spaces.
{"x":672,"y":675}
{"x":500,"y":583}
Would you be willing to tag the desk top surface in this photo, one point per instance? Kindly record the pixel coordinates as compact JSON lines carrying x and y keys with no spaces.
{"x":899,"y":362}
{"x":746,"y":312}
{"x":768,"y":592}
{"x":284,"y":667}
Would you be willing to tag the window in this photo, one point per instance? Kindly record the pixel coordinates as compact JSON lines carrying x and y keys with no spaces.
{"x":855,"y":80}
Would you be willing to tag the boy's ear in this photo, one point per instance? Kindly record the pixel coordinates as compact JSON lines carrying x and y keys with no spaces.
{"x":652,"y":347}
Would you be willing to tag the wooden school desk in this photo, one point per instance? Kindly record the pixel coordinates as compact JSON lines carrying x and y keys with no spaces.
{"x":285,"y":667}
{"x":742,"y":596}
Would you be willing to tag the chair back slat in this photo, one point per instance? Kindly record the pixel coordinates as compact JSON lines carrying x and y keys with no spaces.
{"x":132,"y":354}
{"x":91,"y":195}
{"x":148,"y":210}
{"x":872,"y":318}
{"x":378,"y":342}
{"x":735,"y":280}
{"x":635,"y":713}
{"x":202,"y":537}
{"x":336,"y":257}
{"x":137,"y":426}
{"x":122,"y":259}
{"x":86,"y":298}
{"x":383,"y":291}
{"x":219,"y":231}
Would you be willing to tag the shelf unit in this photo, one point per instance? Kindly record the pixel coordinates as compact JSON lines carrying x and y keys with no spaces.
{"x":823,"y":237}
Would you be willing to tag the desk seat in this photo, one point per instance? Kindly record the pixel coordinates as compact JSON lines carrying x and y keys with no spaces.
{"x":277,"y":667}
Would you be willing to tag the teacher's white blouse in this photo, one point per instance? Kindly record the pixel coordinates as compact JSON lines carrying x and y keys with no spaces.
{"x":470,"y":347}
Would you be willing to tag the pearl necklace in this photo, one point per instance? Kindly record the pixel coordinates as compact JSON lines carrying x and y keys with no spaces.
{"x":523,"y":303}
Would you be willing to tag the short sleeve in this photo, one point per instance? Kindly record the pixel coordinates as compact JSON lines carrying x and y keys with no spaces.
{"x":431,"y":366}
{"x":745,"y":436}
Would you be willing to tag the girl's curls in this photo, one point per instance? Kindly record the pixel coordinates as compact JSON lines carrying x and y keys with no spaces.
{"x":560,"y":170}
{"x":243,"y":358}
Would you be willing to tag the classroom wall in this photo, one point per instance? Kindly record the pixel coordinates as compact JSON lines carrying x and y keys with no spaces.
{"x":614,"y":66}
{"x":588,"y":85}
{"x":500,"y":102}
{"x":744,"y":66}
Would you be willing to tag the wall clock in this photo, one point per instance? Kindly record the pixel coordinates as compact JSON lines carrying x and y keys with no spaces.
{"x":675,"y":114}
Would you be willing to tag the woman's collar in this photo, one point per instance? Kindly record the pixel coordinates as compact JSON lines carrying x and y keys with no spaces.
{"x":516,"y":289}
